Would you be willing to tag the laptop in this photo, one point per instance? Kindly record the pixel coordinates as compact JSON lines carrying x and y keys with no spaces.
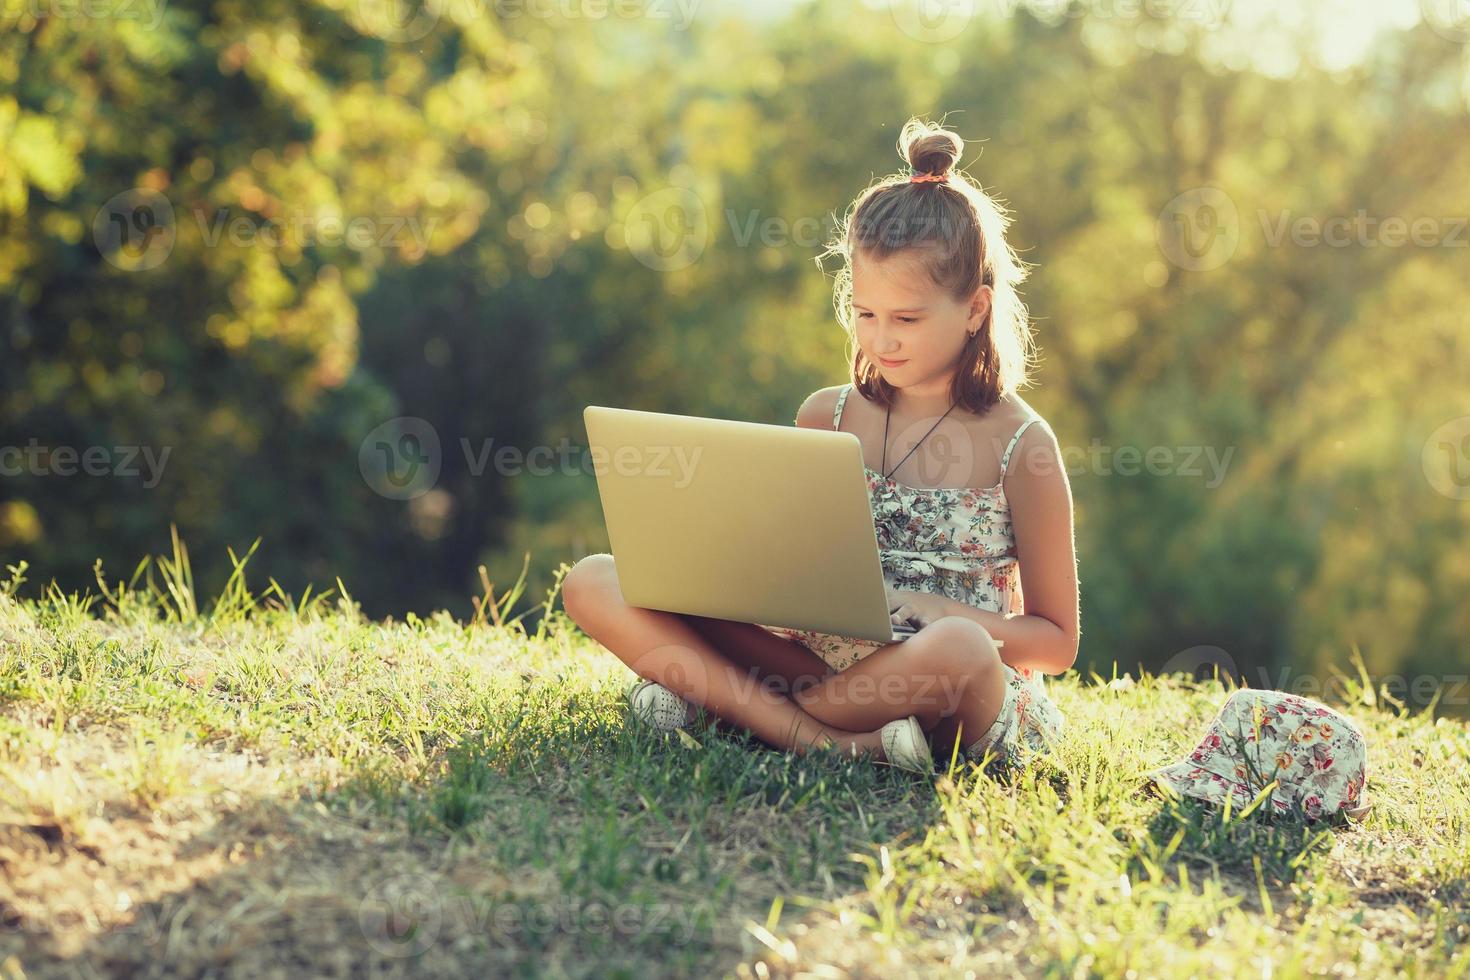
{"x":745,"y":521}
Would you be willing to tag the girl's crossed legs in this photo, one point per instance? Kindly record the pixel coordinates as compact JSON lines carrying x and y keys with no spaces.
{"x":949,"y":674}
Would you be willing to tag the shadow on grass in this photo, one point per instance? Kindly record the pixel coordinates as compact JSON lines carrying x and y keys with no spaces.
{"x":1261,"y":851}
{"x":560,"y":838}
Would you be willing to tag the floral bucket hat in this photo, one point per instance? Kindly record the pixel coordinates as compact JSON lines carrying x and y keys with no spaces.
{"x":1311,"y":758}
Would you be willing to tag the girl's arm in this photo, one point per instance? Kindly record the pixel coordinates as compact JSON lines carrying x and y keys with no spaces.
{"x":1045,"y":637}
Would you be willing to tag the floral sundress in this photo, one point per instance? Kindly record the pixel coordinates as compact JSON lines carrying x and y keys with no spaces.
{"x":956,"y":542}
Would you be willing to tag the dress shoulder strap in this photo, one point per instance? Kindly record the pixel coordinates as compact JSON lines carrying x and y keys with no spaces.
{"x":837,"y":412}
{"x":1005,"y":460}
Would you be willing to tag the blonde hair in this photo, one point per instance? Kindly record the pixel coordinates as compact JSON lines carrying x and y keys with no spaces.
{"x":957,"y":233}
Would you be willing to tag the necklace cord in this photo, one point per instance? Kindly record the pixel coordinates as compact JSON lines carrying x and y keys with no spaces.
{"x":887,"y":415}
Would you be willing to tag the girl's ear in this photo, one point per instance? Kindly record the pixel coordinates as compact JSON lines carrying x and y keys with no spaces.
{"x":980,"y":306}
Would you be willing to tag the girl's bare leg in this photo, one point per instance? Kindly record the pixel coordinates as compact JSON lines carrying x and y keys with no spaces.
{"x":665,"y":647}
{"x":780,"y":664}
{"x":952,"y":681}
{"x":949,"y":675}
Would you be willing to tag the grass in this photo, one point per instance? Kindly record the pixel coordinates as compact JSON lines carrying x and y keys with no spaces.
{"x":280,"y":786}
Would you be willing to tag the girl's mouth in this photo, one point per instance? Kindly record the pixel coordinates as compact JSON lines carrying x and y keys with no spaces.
{"x":891,"y":364}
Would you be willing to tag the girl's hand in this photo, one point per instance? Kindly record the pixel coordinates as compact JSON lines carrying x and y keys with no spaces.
{"x":919,"y":608}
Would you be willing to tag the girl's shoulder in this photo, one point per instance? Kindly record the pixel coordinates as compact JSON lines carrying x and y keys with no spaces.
{"x":1017,"y":412}
{"x":1031,"y":440}
{"x":1012,"y":427}
{"x":819,"y":408}
{"x":1005,"y":418}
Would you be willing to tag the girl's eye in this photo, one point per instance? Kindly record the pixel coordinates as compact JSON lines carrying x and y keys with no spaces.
{"x":905,"y":319}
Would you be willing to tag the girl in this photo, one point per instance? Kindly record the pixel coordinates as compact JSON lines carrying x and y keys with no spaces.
{"x":970,"y":502}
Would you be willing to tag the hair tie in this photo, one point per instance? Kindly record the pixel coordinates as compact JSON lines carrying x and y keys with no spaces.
{"x":923,"y":178}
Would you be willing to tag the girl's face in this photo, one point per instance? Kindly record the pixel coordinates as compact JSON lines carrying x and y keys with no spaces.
{"x":913,"y":331}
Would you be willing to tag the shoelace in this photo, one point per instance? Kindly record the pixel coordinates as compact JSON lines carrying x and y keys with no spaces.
{"x":663,"y":708}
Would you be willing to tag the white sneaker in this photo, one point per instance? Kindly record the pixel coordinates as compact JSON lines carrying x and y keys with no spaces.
{"x":659,"y":707}
{"x":906,"y":746}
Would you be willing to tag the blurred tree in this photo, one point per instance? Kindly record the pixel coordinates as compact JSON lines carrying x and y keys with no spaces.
{"x":250,"y":236}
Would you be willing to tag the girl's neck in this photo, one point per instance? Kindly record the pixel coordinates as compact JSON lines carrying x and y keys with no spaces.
{"x":922,"y":400}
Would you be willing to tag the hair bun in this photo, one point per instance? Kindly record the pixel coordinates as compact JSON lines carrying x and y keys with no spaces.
{"x":930,"y":149}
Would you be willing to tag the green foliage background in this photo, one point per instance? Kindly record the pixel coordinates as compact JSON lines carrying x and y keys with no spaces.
{"x":506,"y":166}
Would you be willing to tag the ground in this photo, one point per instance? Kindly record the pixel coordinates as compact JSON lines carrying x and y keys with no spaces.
{"x":283,"y":788}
